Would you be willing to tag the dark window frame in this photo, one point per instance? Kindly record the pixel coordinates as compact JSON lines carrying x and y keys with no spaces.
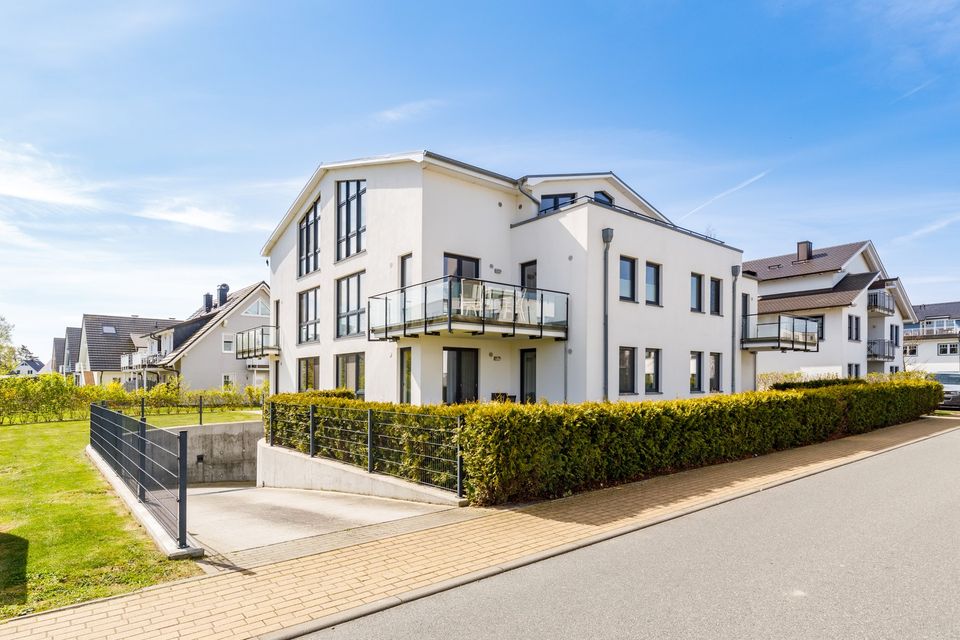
{"x":715,"y":370}
{"x":655,"y":387}
{"x":631,"y":381}
{"x":359,"y":358}
{"x":405,"y":262}
{"x":523,"y":274}
{"x":603,"y":198}
{"x":820,"y":322}
{"x":556,"y":201}
{"x":696,"y":377}
{"x":405,"y":360}
{"x":853,"y":328}
{"x":308,"y":240}
{"x":350,"y":313}
{"x":302,"y":365}
{"x":351,"y":218}
{"x":443,"y":382}
{"x":716,"y":296}
{"x":526,"y":395}
{"x":658,"y":284}
{"x":698,"y":279}
{"x":306,"y":323}
{"x":632,"y":264}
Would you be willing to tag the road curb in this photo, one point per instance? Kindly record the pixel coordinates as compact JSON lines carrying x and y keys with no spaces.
{"x":377,"y":606}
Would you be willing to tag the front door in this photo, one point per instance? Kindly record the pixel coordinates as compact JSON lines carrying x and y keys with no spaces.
{"x":528,"y":375}
{"x":460,"y":375}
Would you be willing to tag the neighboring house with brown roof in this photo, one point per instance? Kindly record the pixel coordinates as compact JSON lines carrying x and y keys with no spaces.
{"x":104,"y":339}
{"x":859,"y":307}
{"x":932,"y":343}
{"x":201,"y":350}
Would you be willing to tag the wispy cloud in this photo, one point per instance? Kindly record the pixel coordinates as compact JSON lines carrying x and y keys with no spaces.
{"x":408,"y":110}
{"x":187,"y":213}
{"x":724,"y":194}
{"x":12,"y":236}
{"x":931,"y":228}
{"x":918,"y":88}
{"x":27,"y":173}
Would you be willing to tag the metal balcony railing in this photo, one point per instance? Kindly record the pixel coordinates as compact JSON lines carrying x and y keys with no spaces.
{"x":949,"y":328}
{"x":881,"y":350}
{"x":476,"y":306}
{"x":779,"y":332}
{"x":258,"y":342}
{"x":880,"y":301}
{"x":139,"y":359}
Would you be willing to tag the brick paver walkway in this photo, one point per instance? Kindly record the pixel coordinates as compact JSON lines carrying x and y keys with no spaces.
{"x":253,"y":602}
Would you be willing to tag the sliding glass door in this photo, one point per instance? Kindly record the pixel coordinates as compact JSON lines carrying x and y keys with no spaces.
{"x":461,"y":375}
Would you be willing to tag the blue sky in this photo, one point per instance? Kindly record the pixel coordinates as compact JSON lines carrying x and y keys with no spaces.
{"x":146,"y":149}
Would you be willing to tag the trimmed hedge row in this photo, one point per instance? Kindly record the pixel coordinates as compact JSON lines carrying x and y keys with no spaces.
{"x":514,"y":452}
{"x":816,"y":383}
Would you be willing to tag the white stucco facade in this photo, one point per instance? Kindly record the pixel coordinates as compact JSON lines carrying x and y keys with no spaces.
{"x":427,"y":207}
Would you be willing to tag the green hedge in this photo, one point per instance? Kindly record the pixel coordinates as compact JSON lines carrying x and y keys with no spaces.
{"x":514,"y":452}
{"x":816,"y":383}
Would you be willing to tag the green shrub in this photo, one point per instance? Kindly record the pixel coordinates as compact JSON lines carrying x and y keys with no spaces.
{"x":816,"y":383}
{"x":517,"y":452}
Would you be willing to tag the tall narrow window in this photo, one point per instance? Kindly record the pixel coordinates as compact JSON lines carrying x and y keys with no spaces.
{"x":819,"y":321}
{"x":653,"y":283}
{"x":308,"y":240}
{"x":308,"y":374}
{"x":406,"y":374}
{"x":350,"y":372}
{"x":350,"y":311}
{"x":696,"y":371}
{"x":308,"y":316}
{"x":351,"y":217}
{"x":696,"y":292}
{"x":853,"y":370}
{"x":853,"y":328}
{"x":628,"y":279}
{"x":716,"y":296}
{"x":554,"y":201}
{"x":715,"y":372}
{"x":460,"y":375}
{"x":651,"y":371}
{"x":628,"y":370}
{"x":528,"y":275}
{"x":406,"y":270}
{"x":528,"y":375}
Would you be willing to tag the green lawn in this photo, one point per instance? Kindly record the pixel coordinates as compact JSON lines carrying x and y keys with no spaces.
{"x":64,"y":535}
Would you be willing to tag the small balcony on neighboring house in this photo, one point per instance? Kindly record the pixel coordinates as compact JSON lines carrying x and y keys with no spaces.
{"x":468,"y":306}
{"x":880,"y":303}
{"x":779,"y":332}
{"x":881,"y":351}
{"x":934,"y":328}
{"x":258,"y":345}
{"x":140,"y":360}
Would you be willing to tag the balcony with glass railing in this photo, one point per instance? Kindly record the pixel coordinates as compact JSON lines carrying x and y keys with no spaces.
{"x":933,"y":328}
{"x":880,"y":302}
{"x":881,"y":350}
{"x":259,"y":342}
{"x":465,"y":305}
{"x":140,"y":360}
{"x":779,"y":332}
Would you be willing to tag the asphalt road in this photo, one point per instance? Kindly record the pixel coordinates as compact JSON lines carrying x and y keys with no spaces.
{"x":869,"y":550}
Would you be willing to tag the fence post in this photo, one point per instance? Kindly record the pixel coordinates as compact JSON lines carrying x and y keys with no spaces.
{"x":141,"y":455}
{"x":313,"y":427}
{"x":201,"y":409}
{"x":182,"y":491}
{"x":273,"y":419}
{"x":143,"y":409}
{"x":369,"y":440}
{"x":459,"y":463}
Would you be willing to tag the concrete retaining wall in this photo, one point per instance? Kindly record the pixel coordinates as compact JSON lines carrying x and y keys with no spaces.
{"x":228,"y":450}
{"x":288,"y":469}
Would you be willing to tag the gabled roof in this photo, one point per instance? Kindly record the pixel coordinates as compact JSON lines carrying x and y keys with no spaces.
{"x":841,"y":295}
{"x":824,"y":260}
{"x":59,"y":344}
{"x":937,"y":310}
{"x":34,"y":364}
{"x":605,"y":175}
{"x":210,"y":320}
{"x":72,"y":346}
{"x":104,"y":349}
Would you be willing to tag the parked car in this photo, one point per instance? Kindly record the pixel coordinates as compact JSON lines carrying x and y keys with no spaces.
{"x":951,"y":389}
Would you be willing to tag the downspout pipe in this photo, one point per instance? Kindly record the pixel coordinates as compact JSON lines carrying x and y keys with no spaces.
{"x":522,"y":181}
{"x":607,"y":235}
{"x":735,"y":272}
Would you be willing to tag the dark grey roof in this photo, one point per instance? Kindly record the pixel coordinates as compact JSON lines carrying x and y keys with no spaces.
{"x":104,"y":349}
{"x":58,"y":346}
{"x":843,"y":294}
{"x":787,"y":266}
{"x":71,"y":350}
{"x":937,"y":310}
{"x":211,"y":319}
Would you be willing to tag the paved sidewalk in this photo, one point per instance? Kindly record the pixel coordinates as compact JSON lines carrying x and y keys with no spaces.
{"x":374,"y":574}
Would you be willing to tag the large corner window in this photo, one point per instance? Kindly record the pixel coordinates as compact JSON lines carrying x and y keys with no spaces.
{"x":350,"y":311}
{"x":628,"y":370}
{"x":308,"y":241}
{"x":351,"y":217}
{"x":350,"y":372}
{"x":308,"y":374}
{"x":553,"y":201}
{"x":308,"y":315}
{"x":819,"y":321}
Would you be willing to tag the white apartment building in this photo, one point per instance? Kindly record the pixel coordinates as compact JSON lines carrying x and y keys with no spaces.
{"x":932,"y":343}
{"x":418,"y":278}
{"x":859,"y":309}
